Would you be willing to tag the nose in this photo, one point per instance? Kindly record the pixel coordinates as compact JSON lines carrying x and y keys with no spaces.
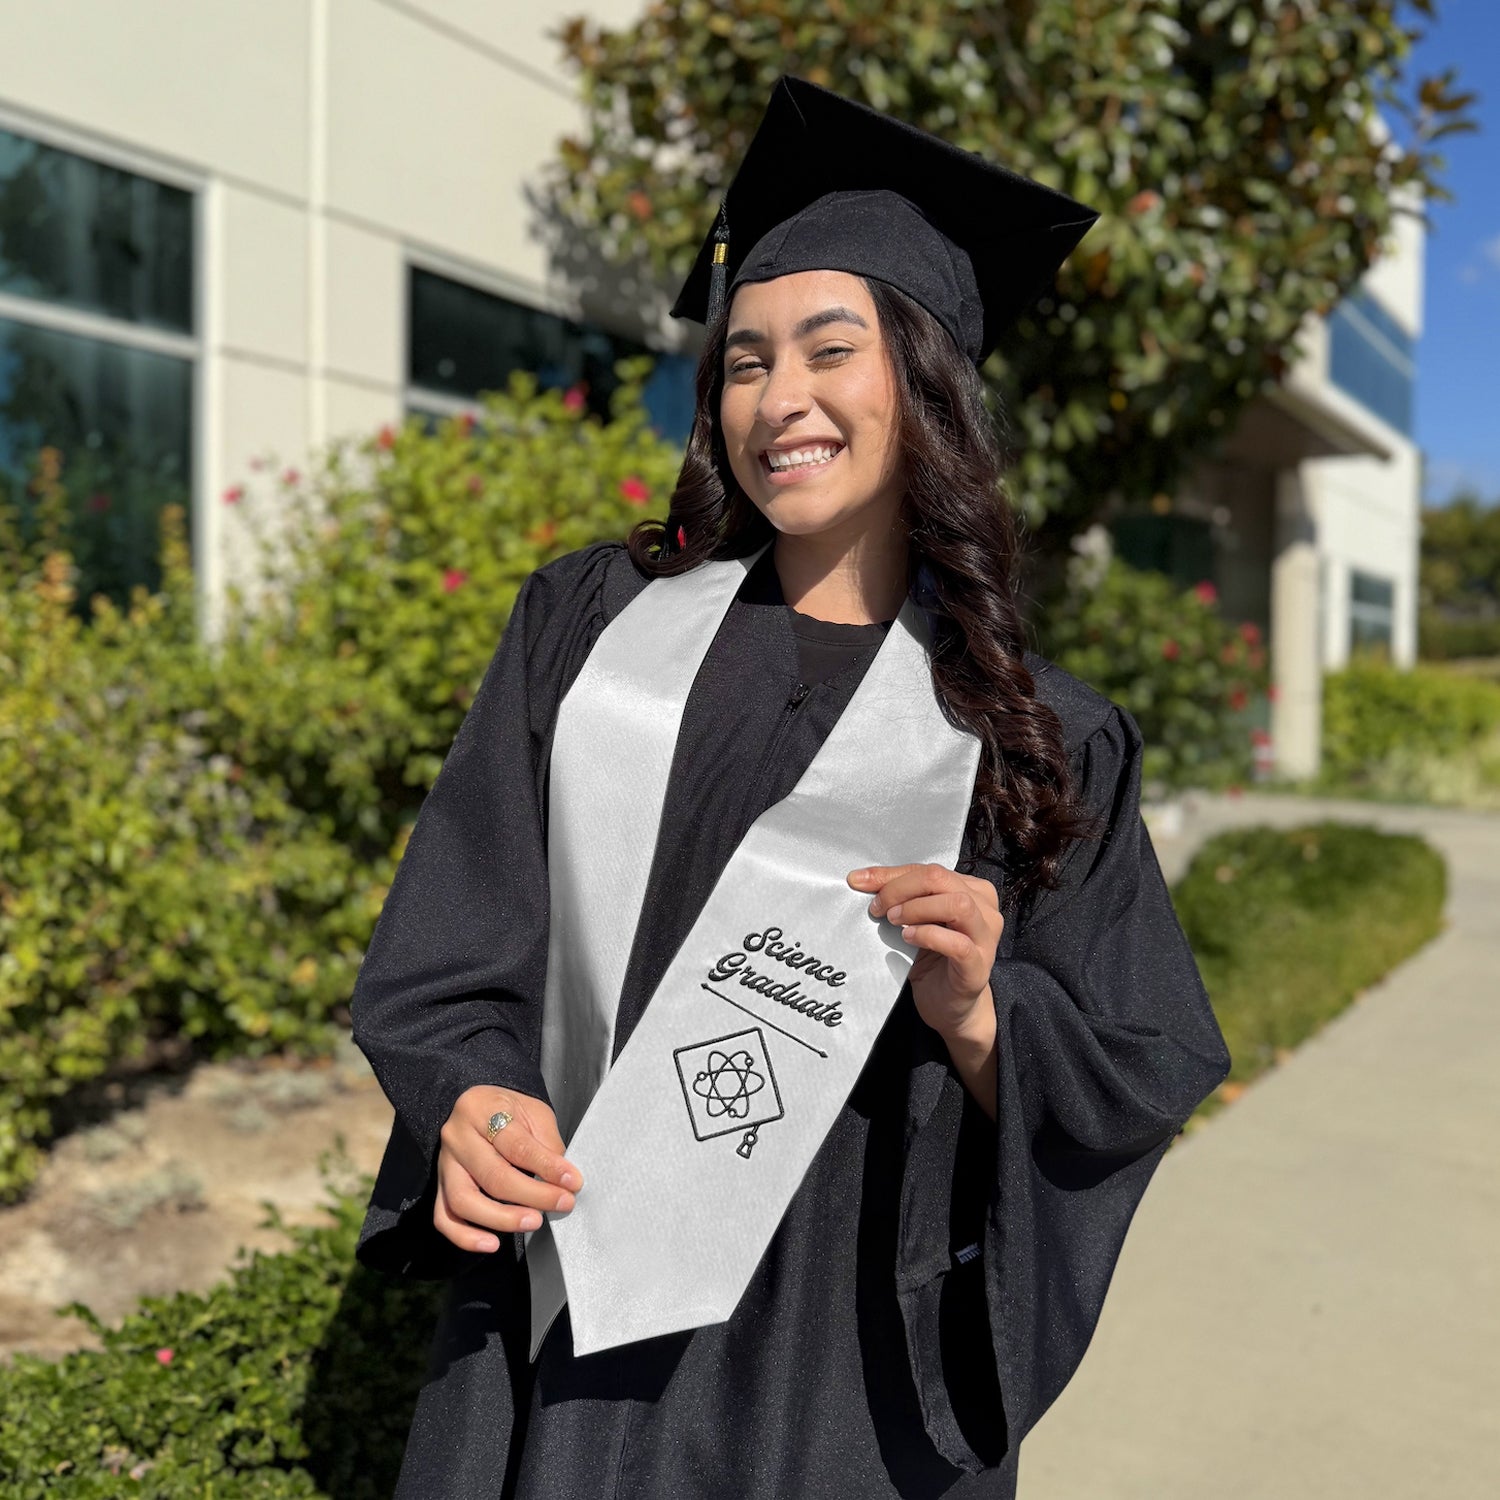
{"x":784,"y":396}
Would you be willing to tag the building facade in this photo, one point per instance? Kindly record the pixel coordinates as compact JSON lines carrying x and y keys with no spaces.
{"x":229,"y":232}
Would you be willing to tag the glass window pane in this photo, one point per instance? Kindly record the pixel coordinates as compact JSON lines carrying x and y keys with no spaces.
{"x":465,"y":341}
{"x":1366,"y":588}
{"x":76,"y":232}
{"x":122,"y":419}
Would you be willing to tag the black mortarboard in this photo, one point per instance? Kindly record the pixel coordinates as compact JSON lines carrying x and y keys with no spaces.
{"x":831,"y":185}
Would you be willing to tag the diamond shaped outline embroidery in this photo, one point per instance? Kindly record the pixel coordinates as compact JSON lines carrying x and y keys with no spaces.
{"x":738,"y":1126}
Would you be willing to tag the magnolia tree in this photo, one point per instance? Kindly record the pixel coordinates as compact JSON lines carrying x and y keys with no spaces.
{"x":1231,"y":145}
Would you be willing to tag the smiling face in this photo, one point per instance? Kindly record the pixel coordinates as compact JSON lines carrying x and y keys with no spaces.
{"x":809,"y":408}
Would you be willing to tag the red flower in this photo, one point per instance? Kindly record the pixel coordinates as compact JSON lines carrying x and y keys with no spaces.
{"x":1271,"y":693}
{"x":476,"y":484}
{"x":1143,"y":202}
{"x":290,"y":477}
{"x":234,"y":494}
{"x":1236,"y":790}
{"x":99,"y":503}
{"x":164,"y":1356}
{"x":1237,"y":699}
{"x":387,"y":438}
{"x":465,"y":422}
{"x":1170,"y":650}
{"x":454,"y":579}
{"x":544,"y":533}
{"x":1250,"y":633}
{"x":573,"y":396}
{"x":639,"y":204}
{"x":634,"y":490}
{"x":1206,"y":592}
{"x":681,"y":537}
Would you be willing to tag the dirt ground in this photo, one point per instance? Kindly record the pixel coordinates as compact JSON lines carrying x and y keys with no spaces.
{"x":158,"y":1195}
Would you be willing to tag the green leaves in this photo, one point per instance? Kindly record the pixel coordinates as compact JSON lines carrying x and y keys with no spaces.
{"x":190,"y":838}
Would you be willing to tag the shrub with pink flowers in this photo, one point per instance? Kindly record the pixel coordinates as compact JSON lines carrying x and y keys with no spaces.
{"x":1190,"y":677}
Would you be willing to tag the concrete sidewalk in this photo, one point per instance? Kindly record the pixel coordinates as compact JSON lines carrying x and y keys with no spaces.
{"x":1308,"y":1301}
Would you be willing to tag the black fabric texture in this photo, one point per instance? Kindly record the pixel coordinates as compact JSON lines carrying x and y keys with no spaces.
{"x":866,"y":1357}
{"x":970,"y":240}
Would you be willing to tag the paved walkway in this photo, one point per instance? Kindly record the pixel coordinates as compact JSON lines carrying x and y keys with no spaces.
{"x":1308,"y":1302}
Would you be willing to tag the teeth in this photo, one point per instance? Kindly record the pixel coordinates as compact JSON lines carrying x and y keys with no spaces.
{"x":799,"y":457}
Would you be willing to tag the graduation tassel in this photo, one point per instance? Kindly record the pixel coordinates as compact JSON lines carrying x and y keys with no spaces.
{"x":718,"y":274}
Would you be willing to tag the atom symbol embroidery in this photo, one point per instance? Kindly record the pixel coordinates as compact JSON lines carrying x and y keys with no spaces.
{"x":727,"y":1084}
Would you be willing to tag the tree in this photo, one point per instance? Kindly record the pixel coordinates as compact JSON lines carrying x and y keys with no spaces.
{"x":1231,"y":145}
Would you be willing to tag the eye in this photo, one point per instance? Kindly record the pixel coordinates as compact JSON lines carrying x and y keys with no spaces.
{"x":744,"y":366}
{"x":831,"y":351}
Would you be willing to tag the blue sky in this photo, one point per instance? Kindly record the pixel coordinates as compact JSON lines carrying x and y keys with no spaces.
{"x":1458,"y":358}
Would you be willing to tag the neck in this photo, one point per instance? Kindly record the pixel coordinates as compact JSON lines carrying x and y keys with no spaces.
{"x":850,"y":581}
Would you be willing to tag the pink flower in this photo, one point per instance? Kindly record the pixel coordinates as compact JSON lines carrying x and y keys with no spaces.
{"x":681,"y":536}
{"x":234,"y":494}
{"x":99,"y":503}
{"x":454,"y":579}
{"x":290,"y":477}
{"x":1170,"y":650}
{"x":1250,"y":632}
{"x":634,"y":490}
{"x":1271,"y":693}
{"x":573,"y":397}
{"x":1206,"y":592}
{"x":1238,"y":699}
{"x":257,"y":464}
{"x":164,"y":1356}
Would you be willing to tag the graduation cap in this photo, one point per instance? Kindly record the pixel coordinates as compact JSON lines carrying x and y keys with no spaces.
{"x":828,"y":184}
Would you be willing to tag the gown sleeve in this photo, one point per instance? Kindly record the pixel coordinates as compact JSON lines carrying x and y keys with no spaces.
{"x":449,"y":994}
{"x":1107,"y":1043}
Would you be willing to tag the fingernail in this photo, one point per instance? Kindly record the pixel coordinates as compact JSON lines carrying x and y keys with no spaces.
{"x":894,"y":914}
{"x":488,"y":1244}
{"x":570,"y":1179}
{"x":531,"y":1221}
{"x":875,"y":907}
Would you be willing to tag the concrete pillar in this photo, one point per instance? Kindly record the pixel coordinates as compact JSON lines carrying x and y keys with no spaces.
{"x":1296,"y":647}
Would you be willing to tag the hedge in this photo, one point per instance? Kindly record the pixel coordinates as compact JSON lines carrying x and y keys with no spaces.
{"x":195,"y":840}
{"x":1372,"y":711}
{"x":1289,"y":925}
{"x":296,"y":1376}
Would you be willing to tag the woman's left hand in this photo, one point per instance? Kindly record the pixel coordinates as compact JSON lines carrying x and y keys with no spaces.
{"x":956,"y":920}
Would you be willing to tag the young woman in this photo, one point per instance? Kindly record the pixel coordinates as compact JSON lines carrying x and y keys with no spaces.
{"x":951,"y":1203}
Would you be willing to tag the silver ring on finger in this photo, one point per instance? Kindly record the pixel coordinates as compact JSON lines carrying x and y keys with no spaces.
{"x":497,"y":1122}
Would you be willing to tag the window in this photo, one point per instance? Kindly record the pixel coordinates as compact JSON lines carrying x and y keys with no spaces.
{"x":1372,"y":358}
{"x":1371,"y":612}
{"x":97,"y":352}
{"x":465,"y":341}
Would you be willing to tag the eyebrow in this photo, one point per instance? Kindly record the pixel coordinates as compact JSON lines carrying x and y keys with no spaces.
{"x":808,"y":325}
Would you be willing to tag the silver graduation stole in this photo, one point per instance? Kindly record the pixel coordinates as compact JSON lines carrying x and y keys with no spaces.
{"x":692,"y":1145}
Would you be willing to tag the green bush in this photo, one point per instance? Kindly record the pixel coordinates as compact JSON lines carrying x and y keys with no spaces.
{"x":1443,"y":638}
{"x":1372,"y":711}
{"x":1289,"y":925}
{"x":296,"y":1376}
{"x":147,"y":888}
{"x":386,"y":577}
{"x":1187,"y":675}
{"x":195,"y":841}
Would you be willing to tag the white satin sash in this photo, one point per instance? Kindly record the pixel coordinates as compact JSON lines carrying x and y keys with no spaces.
{"x":694,"y":1142}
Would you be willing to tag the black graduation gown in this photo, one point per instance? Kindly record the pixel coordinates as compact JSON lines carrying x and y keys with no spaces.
{"x":866,"y":1358}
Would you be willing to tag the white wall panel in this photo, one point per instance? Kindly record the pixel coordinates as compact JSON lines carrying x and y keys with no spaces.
{"x":205,"y":81}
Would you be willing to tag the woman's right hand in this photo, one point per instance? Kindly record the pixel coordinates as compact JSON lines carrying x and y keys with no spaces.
{"x":484,"y":1187}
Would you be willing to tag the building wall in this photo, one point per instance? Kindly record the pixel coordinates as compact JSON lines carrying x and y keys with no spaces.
{"x":330,"y":143}
{"x":1367,"y":507}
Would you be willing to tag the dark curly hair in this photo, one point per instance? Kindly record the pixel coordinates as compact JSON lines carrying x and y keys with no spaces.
{"x":960,"y":524}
